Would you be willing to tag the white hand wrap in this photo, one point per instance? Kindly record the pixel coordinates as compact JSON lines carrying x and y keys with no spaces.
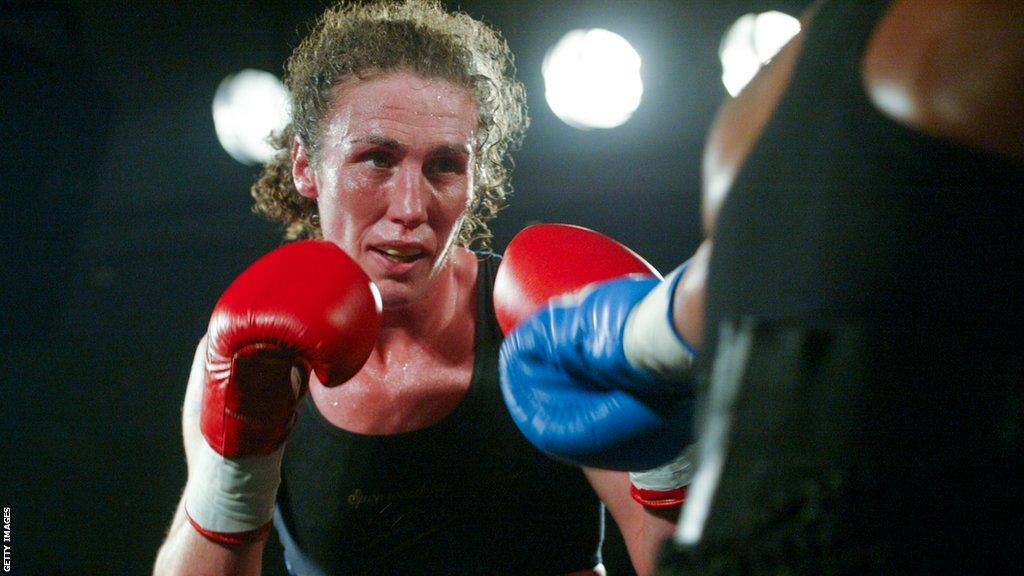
{"x":650,"y":340}
{"x":232,"y":496}
{"x":664,"y":486}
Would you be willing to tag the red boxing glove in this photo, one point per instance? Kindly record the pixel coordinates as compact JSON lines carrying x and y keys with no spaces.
{"x":546,"y":260}
{"x":306,"y":306}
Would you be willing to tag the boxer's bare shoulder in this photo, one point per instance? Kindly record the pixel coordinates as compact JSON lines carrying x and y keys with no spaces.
{"x":951,"y":69}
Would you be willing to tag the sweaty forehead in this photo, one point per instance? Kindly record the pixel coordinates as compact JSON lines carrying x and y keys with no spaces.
{"x":402,"y":106}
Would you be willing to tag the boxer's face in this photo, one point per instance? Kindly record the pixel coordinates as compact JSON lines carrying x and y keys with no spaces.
{"x":393,"y":178}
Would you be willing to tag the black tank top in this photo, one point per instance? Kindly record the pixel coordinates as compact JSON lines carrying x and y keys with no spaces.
{"x":467,"y":495}
{"x":864,"y":375}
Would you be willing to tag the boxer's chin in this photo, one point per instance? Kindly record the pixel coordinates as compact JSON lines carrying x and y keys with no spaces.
{"x":418,"y":283}
{"x":403,"y":284}
{"x":396,"y":294}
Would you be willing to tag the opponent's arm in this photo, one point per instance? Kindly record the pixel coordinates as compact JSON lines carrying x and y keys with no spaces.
{"x":304,"y":307}
{"x":600,"y":377}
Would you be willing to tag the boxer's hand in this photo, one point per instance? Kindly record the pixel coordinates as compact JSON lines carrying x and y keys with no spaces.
{"x":567,"y":375}
{"x":305,"y":306}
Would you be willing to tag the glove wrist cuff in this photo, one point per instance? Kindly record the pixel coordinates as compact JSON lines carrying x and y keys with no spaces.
{"x":658,"y":498}
{"x":665,"y":485}
{"x":231,"y":538}
{"x":232,"y":497}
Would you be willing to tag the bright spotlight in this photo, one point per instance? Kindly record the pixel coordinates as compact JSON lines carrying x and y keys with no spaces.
{"x":247,"y":107}
{"x":592,"y":79}
{"x":750,"y":43}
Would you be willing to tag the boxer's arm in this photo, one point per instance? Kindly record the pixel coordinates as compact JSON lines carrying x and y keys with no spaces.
{"x":643,"y":529}
{"x":688,"y":299}
{"x":185,"y":551}
{"x":953,"y":70}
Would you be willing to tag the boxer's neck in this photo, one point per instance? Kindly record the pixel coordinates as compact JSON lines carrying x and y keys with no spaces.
{"x":421,"y":367}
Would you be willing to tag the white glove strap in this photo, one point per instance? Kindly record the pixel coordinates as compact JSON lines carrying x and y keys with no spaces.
{"x":670,"y":476}
{"x":650,"y":340}
{"x":231,"y":495}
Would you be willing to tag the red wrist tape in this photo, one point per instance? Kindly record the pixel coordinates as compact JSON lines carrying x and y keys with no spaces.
{"x":658,"y":498}
{"x":232,"y":538}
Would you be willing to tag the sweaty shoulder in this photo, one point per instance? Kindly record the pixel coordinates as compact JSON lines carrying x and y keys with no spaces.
{"x":952,"y":69}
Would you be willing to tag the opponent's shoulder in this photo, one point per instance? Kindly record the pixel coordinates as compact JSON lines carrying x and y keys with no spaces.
{"x":951,"y":69}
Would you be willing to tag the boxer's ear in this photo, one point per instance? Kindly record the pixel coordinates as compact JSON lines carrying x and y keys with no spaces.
{"x":303,"y":174}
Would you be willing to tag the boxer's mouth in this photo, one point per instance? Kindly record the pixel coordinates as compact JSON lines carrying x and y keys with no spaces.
{"x":400,"y":254}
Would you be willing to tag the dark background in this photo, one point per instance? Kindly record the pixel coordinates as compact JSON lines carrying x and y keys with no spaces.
{"x":123,"y":219}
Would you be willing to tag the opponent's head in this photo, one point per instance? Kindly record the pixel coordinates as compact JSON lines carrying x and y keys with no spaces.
{"x":362,"y":41}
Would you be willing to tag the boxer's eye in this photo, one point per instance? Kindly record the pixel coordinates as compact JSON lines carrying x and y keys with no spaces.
{"x":379,"y":159}
{"x":446,"y":165}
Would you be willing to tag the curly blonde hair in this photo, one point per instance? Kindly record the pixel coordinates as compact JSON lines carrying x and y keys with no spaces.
{"x":358,"y":40}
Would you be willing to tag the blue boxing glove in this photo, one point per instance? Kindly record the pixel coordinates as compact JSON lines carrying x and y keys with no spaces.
{"x":569,"y":383}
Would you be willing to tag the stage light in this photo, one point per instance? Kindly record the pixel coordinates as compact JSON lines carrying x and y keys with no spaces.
{"x":592,"y":79}
{"x":750,"y":43}
{"x":246,"y":108}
